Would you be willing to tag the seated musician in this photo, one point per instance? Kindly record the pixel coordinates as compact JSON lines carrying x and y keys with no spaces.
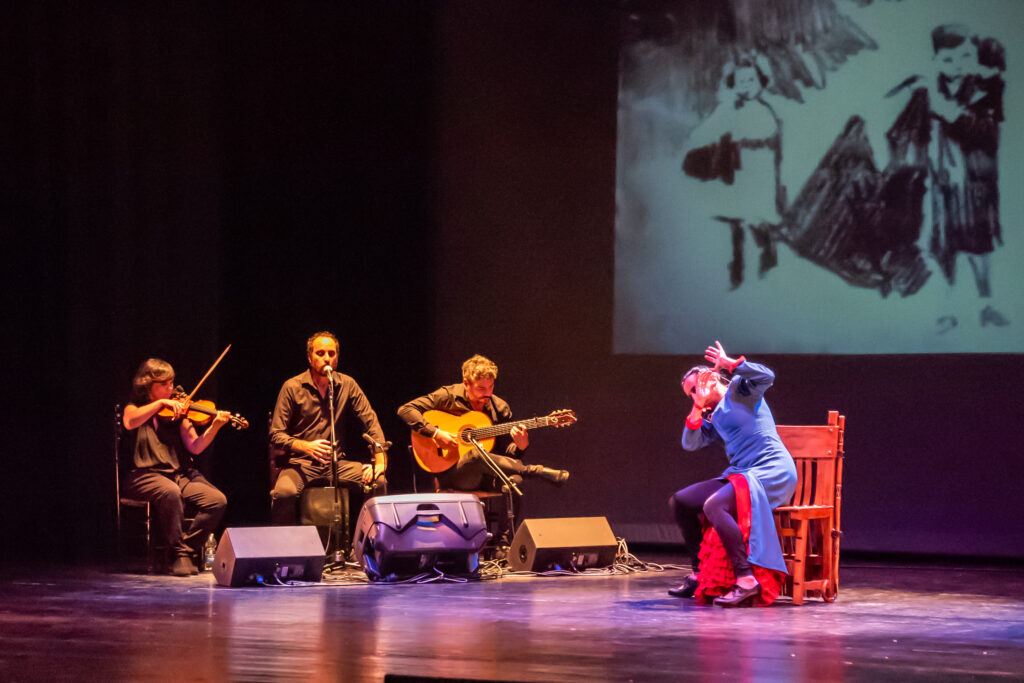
{"x":301,"y":429}
{"x":734,"y":412}
{"x":162,"y":468}
{"x":475,"y":393}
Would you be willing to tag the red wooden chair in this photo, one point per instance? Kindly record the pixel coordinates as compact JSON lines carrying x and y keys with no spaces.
{"x":808,"y":527}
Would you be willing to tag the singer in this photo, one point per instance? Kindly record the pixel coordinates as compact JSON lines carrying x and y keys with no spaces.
{"x":302,"y":426}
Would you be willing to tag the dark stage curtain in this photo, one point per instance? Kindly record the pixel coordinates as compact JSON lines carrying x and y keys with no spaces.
{"x":181,"y":176}
{"x":113,"y":183}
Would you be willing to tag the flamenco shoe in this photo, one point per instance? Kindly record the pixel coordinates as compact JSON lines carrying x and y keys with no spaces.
{"x":556,"y":477}
{"x":739,"y":596}
{"x":686,"y":589}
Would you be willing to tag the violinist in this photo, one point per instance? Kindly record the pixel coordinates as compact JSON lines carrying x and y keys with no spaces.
{"x":163,"y":470}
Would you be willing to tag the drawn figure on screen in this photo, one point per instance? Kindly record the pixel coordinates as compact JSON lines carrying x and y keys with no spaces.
{"x":738,"y":503}
{"x":950,"y":127}
{"x":740,"y":145}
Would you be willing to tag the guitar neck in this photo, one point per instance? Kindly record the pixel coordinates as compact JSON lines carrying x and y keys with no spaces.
{"x":506,"y":427}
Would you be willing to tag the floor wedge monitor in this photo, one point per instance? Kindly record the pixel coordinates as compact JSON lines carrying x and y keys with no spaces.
{"x":250,"y":556}
{"x":402,"y":536}
{"x":562,"y":543}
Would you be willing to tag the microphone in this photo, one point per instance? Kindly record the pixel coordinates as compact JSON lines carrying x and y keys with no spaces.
{"x":376,"y":444}
{"x":329,"y":371}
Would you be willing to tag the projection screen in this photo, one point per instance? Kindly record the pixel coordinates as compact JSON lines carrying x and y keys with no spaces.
{"x":822,"y":176}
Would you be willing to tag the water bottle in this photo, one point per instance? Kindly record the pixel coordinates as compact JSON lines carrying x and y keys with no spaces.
{"x":209,"y":552}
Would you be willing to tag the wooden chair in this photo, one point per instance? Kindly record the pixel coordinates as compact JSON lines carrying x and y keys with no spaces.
{"x":124,"y":505}
{"x":809,"y":527}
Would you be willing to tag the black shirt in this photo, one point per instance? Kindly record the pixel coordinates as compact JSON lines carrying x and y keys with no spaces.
{"x":156,"y":445}
{"x":301,"y":413}
{"x":452,"y":399}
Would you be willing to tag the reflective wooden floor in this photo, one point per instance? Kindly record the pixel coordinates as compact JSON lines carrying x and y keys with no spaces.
{"x":892,"y":622}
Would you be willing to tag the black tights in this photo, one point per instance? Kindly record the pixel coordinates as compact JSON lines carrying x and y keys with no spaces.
{"x":716,"y":498}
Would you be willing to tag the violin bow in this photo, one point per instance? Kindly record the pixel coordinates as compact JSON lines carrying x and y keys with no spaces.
{"x":212,"y":367}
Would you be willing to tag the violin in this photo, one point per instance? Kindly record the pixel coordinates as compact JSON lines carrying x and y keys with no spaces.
{"x":201,"y":412}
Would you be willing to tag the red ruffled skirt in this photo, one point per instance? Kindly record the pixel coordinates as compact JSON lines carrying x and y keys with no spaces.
{"x":716,"y":572}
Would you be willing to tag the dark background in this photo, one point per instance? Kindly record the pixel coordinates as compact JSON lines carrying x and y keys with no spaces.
{"x":428,"y":180}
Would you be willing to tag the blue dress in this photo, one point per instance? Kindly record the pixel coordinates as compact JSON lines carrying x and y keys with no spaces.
{"x":744,"y":423}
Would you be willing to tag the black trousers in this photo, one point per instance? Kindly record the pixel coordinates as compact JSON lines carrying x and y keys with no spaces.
{"x":303,"y":472}
{"x":167,"y":493}
{"x":471,"y":473}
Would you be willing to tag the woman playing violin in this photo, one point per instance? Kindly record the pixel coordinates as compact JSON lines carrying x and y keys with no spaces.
{"x":163,"y":470}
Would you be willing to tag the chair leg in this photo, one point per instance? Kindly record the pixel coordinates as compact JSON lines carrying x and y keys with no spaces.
{"x":825,"y":525}
{"x":150,"y":546}
{"x":147,"y":558}
{"x":832,"y":538}
{"x":800,"y":562}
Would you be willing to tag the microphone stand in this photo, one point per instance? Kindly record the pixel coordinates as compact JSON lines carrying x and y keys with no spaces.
{"x":339,"y":529}
{"x":507,"y":485}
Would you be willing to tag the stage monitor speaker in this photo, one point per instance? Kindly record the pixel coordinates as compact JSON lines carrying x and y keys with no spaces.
{"x":252,"y":555}
{"x":562,"y":543}
{"x":402,"y":536}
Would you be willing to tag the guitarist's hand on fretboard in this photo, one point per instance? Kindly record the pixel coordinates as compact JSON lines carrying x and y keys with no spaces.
{"x":521,"y":437}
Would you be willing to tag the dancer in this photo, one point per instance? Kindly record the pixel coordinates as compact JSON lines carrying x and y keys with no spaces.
{"x":735,"y":413}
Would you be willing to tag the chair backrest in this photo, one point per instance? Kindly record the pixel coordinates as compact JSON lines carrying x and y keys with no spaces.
{"x":817,"y":451}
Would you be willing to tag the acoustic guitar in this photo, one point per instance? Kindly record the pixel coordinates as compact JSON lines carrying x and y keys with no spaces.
{"x":476,"y":425}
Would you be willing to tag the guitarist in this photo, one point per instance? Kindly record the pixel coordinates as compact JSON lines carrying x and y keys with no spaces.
{"x":476,"y":393}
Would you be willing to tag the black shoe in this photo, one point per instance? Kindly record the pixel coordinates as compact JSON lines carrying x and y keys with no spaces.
{"x":686,"y":589}
{"x":557,"y":477}
{"x":184,"y":566}
{"x":738,"y":596}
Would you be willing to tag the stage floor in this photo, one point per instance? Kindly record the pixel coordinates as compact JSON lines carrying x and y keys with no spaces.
{"x":891,"y":622}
